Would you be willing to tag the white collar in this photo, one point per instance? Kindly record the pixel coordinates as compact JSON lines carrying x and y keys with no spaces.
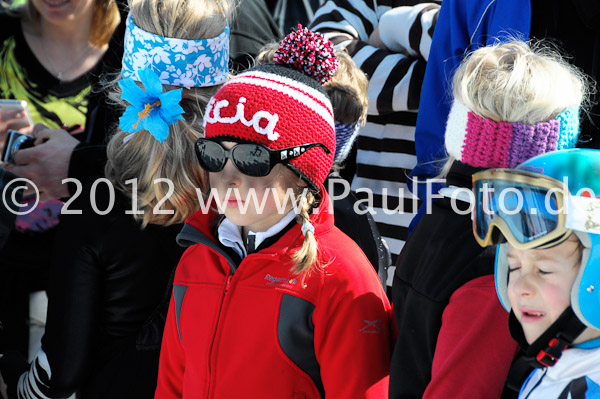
{"x":230,"y":234}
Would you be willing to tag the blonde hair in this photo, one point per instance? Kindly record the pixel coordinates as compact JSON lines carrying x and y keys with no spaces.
{"x":105,"y":19}
{"x":306,"y":258}
{"x":144,"y":158}
{"x":519,"y":82}
{"x":347,"y":89}
{"x":183,"y":19}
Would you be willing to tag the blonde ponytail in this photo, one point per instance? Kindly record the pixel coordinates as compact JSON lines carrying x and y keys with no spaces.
{"x":305,"y":259}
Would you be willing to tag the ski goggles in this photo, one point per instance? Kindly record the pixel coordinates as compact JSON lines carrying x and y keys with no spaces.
{"x":526,"y":209}
{"x":256,"y":160}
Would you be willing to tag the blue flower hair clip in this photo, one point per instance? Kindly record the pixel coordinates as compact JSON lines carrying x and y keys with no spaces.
{"x":149,"y":108}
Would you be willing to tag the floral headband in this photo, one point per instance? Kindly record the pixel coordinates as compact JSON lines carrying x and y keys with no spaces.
{"x":154,"y":60}
{"x":482,"y":142}
{"x":179,"y":62}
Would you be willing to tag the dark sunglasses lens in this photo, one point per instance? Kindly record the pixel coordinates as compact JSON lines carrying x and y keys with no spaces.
{"x":211,"y":156}
{"x":252,"y":160}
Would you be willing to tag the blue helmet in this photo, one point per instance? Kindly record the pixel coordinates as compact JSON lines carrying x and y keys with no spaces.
{"x":579,"y":171}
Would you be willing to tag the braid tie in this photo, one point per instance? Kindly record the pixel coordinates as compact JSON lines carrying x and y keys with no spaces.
{"x":306,"y":227}
{"x":306,"y":257}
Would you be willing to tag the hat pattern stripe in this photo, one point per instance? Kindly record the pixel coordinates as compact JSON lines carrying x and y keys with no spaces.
{"x":456,"y":130}
{"x":319,"y":108}
{"x":487,"y":142}
{"x":315,"y":94}
{"x":483,"y":142}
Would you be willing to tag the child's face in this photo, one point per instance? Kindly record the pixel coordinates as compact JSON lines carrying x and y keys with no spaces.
{"x":539,"y":284}
{"x":268,"y":193}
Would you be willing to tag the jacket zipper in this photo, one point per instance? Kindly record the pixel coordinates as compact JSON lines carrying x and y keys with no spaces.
{"x":226,"y":287}
{"x":210,"y":356}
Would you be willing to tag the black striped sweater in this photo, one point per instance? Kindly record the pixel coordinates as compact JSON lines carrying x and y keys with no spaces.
{"x":385,"y":146}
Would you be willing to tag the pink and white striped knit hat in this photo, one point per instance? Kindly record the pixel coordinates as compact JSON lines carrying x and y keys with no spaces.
{"x":482,"y":142}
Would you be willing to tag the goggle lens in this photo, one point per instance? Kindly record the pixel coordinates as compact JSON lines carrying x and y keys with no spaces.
{"x":529,"y":212}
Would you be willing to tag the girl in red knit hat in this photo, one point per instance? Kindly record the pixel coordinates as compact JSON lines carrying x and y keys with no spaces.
{"x":271,"y":300}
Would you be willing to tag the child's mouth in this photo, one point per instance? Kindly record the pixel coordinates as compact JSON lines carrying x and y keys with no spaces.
{"x":233,"y":203}
{"x":531,"y":315}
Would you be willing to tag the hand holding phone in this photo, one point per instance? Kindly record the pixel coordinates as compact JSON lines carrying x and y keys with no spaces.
{"x":14,"y":115}
{"x":14,"y":142}
{"x":47,"y":163}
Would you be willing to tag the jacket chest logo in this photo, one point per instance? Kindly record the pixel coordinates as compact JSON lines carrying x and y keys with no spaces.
{"x":372,"y":327}
{"x":274,"y":281}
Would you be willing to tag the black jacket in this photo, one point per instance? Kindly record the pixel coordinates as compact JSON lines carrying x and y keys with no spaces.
{"x":8,"y":208}
{"x":107,"y":282}
{"x":360,"y":227}
{"x":253,"y":27}
{"x":440,"y":256}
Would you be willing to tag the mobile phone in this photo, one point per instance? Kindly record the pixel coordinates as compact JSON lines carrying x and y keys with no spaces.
{"x":11,"y":107}
{"x":14,"y":142}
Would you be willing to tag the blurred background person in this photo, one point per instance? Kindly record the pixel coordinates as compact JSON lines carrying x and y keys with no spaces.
{"x":510,"y":102}
{"x":51,"y":55}
{"x":466,"y":25}
{"x":109,"y":269}
{"x":288,"y":14}
{"x":11,"y":195}
{"x":390,"y":43}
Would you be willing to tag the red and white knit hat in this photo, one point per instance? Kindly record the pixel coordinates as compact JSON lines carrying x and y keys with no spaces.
{"x":282,"y":105}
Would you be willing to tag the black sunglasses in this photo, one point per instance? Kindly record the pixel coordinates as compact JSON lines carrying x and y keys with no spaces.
{"x":255,"y":160}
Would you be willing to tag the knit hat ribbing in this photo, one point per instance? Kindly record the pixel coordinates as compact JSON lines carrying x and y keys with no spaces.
{"x":280,"y":107}
{"x":482,"y":142}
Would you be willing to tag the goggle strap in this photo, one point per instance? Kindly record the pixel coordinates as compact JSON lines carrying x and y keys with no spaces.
{"x":556,"y":241}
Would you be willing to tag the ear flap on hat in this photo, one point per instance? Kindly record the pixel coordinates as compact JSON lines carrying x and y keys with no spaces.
{"x":585,"y":294}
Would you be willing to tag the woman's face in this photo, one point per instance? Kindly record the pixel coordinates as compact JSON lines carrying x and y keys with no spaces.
{"x":64,"y":11}
{"x":255,"y":203}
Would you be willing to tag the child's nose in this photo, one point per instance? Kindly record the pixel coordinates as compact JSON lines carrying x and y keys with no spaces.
{"x":524,"y":286}
{"x":230,"y":174}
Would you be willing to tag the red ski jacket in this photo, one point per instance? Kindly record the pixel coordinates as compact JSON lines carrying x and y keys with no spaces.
{"x":254,"y":330}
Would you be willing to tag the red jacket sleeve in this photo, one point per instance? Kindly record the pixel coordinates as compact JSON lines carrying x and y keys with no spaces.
{"x":352,"y":334}
{"x":474,"y":348}
{"x":172,"y":360}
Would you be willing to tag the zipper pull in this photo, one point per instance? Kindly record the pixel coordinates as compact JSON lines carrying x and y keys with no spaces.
{"x":227,"y":284}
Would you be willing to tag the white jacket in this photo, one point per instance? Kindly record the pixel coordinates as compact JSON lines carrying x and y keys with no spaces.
{"x":575,"y":376}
